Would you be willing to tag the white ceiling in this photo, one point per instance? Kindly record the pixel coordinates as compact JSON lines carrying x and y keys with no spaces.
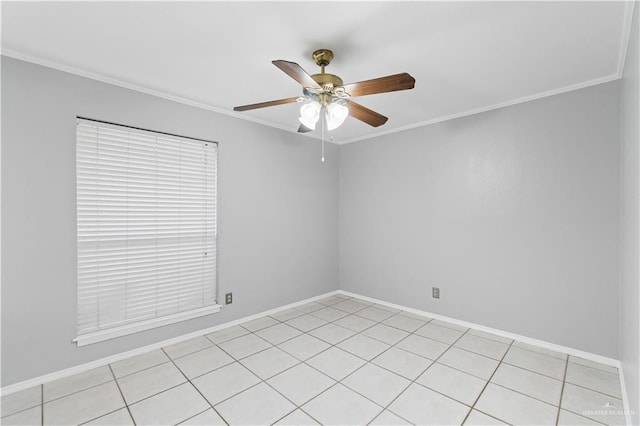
{"x":465,"y":56}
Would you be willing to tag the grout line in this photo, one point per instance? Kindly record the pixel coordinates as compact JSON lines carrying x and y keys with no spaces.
{"x":598,"y":359}
{"x":564,"y":381}
{"x":489,"y":381}
{"x":203,"y":374}
{"x":238,"y":360}
{"x":391,"y":412}
{"x":532,"y":371}
{"x":105,"y":414}
{"x":157,"y":393}
{"x":386,"y":408}
{"x":74,"y":392}
{"x":197,"y":414}
{"x":211,"y":371}
{"x":334,"y":301}
{"x":525,"y":394}
{"x":420,"y":375}
{"x":472,"y":352}
{"x":492,"y":416}
{"x":501,"y":361}
{"x":594,"y":391}
{"x":121,"y":395}
{"x":565,"y":357}
{"x":194,"y":386}
{"x":42,"y":404}
{"x":452,"y":345}
{"x":595,"y":368}
{"x":231,"y":338}
{"x":192,"y":353}
{"x":297,"y":407}
{"x":335,"y":346}
{"x":482,"y":412}
{"x":261,"y":379}
{"x":366,"y":361}
{"x":132,"y":373}
{"x":585,"y":417}
{"x":381,"y":321}
{"x":528,"y":348}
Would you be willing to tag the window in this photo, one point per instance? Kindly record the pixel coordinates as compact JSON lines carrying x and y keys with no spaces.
{"x":146,"y":223}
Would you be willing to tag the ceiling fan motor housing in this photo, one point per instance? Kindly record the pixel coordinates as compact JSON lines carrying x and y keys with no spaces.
{"x":327,"y":79}
{"x":322,"y":57}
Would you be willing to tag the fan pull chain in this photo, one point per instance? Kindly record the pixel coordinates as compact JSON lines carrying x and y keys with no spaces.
{"x":322,"y":139}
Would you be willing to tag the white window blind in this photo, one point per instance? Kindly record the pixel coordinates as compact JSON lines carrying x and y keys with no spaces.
{"x":146,"y":223}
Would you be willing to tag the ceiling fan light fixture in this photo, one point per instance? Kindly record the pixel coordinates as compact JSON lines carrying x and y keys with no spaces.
{"x":336,"y":114}
{"x":309,"y":114}
{"x":322,"y":90}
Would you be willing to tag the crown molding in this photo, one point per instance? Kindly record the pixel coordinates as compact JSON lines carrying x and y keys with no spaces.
{"x":625,"y":35}
{"x":474,"y":111}
{"x":135,"y":87}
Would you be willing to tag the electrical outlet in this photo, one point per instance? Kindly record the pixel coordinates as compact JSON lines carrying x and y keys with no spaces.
{"x":228,"y":298}
{"x":435,"y":292}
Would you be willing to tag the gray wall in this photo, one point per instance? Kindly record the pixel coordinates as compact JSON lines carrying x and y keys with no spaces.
{"x":630,"y":218}
{"x":513,"y":213}
{"x":277,"y":213}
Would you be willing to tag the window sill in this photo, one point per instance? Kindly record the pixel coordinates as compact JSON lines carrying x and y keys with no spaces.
{"x":111,"y":333}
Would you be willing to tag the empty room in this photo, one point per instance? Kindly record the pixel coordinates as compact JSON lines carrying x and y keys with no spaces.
{"x":320,"y":213}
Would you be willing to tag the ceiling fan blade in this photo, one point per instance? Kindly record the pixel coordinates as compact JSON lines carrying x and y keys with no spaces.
{"x":266,"y":104}
{"x":296,"y":72}
{"x":303,"y":129}
{"x":390,"y":83}
{"x":366,"y":115}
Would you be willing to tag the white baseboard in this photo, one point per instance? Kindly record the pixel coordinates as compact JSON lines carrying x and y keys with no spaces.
{"x":535,"y":342}
{"x":36,"y":381}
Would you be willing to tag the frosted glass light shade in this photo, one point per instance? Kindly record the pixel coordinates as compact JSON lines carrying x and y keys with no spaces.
{"x":309,"y":114}
{"x":336,"y":114}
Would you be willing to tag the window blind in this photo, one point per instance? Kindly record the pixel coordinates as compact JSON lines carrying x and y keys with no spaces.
{"x":146,"y":229}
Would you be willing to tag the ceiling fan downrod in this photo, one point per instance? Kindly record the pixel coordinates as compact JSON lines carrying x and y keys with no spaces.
{"x":327,"y":81}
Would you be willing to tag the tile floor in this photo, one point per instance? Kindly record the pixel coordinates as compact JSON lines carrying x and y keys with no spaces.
{"x":336,"y":361}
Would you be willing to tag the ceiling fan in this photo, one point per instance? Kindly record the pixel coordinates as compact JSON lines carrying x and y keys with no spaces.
{"x":326,"y":95}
